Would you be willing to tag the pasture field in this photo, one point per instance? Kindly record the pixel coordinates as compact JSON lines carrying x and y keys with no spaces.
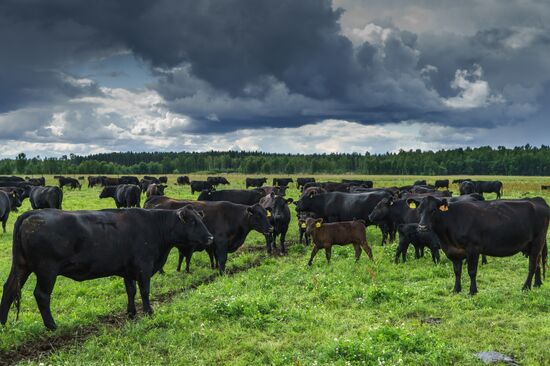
{"x":275,"y":310}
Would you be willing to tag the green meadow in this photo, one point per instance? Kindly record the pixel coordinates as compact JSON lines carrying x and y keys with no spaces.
{"x":277,"y":311}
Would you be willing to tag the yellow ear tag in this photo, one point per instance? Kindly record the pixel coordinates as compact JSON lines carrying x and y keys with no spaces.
{"x":318,"y":224}
{"x":412,"y":205}
{"x":268,"y":213}
{"x":303,"y":226}
{"x":444,"y":208}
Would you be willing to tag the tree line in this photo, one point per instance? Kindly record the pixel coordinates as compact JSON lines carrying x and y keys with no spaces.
{"x":521,"y":160}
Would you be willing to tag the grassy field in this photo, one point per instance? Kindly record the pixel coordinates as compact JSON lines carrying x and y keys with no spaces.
{"x":278,"y":311}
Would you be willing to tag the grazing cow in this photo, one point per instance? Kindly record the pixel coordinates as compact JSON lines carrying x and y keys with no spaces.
{"x":255,"y":182}
{"x":8,"y":202}
{"x":301,"y":181}
{"x":420,"y":182}
{"x":163,"y":179}
{"x":110,"y":181}
{"x":95,"y":181}
{"x":337,"y":206}
{"x":200,"y":185}
{"x":68,"y":181}
{"x":408,"y":234}
{"x":358,"y":182}
{"x":265,"y":190}
{"x":240,"y":196}
{"x":467,"y":187}
{"x":37,"y":181}
{"x":128,"y":179}
{"x":325,"y":235}
{"x":489,"y":187}
{"x":230,"y":224}
{"x":442,"y":183}
{"x":496,"y":228}
{"x":45,"y":197}
{"x":152,"y":179}
{"x":283,"y":182}
{"x":183,"y":180}
{"x":217,"y":180}
{"x":81,"y":177}
{"x":132,"y":244}
{"x":125,"y":195}
{"x":155,"y":190}
{"x":279,"y":217}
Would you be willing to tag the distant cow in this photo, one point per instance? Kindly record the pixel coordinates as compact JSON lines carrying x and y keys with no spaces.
{"x":230,"y":224}
{"x":200,"y":185}
{"x":279,"y":217}
{"x":125,"y":195}
{"x":301,"y":181}
{"x":420,"y":182}
{"x":128,"y":179}
{"x":325,"y":235}
{"x":283,"y":182}
{"x":489,"y":187}
{"x":37,"y":181}
{"x":359,"y":182}
{"x":498,"y":228}
{"x":409,"y":234}
{"x":155,"y":190}
{"x":265,"y":190}
{"x":442,"y":183}
{"x":85,"y":245}
{"x":8,"y":202}
{"x":45,"y":197}
{"x":152,"y":179}
{"x":68,"y":181}
{"x":183,"y":180}
{"x":217,"y":180}
{"x":458,"y":181}
{"x":163,"y":179}
{"x":240,"y":196}
{"x":110,"y":181}
{"x":255,"y":182}
{"x":467,"y":187}
{"x":95,"y":181}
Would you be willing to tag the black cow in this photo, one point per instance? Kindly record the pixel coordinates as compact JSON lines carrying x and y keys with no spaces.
{"x":359,"y":182}
{"x":163,"y":179}
{"x":265,"y":190}
{"x":283,"y":182}
{"x":45,"y":197}
{"x":128,"y":179}
{"x":125,"y":195}
{"x":183,"y":180}
{"x":145,"y":183}
{"x":489,"y":187}
{"x":37,"y":181}
{"x":496,"y":228}
{"x":279,"y":217}
{"x":95,"y":181}
{"x":255,"y":182}
{"x":301,"y":181}
{"x":240,"y":196}
{"x":12,"y":178}
{"x":467,"y":187}
{"x":152,"y":179}
{"x":110,"y":181}
{"x":200,"y":185}
{"x":337,"y":206}
{"x":68,"y":181}
{"x":420,"y":182}
{"x":408,"y":234}
{"x":155,"y":190}
{"x":132,"y":244}
{"x":217,"y":180}
{"x":230,"y":224}
{"x":8,"y":202}
{"x":442,"y":183}
{"x":302,"y":226}
{"x":458,"y":181}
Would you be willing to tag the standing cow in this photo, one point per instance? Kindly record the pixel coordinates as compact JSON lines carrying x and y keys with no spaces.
{"x":279,"y":217}
{"x":125,"y":195}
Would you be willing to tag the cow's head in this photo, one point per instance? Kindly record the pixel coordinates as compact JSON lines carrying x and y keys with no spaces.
{"x":258,"y":218}
{"x":428,"y":208}
{"x":107,"y":191}
{"x":313,"y":224}
{"x":194,"y":229}
{"x":278,"y":205}
{"x":305,"y":202}
{"x":381,"y":210}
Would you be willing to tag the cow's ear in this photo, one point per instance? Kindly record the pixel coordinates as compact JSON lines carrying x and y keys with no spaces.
{"x":201,"y":214}
{"x":310,"y":194}
{"x":289,"y":200}
{"x":318,"y":223}
{"x":412,"y":203}
{"x":181,"y":215}
{"x":444,"y":206}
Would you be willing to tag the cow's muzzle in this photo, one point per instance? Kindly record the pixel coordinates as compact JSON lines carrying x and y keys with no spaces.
{"x":422,"y":227}
{"x":210,"y":240}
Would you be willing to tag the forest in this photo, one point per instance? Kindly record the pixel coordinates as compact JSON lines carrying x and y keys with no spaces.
{"x":521,"y":160}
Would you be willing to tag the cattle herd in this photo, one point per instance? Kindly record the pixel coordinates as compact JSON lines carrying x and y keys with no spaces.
{"x":134,"y":243}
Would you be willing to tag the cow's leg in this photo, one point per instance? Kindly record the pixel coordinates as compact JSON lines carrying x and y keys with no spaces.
{"x":221,"y":256}
{"x":533,"y":261}
{"x":42,"y":293}
{"x":473,"y":260}
{"x":416,"y":251}
{"x":366,"y":248}
{"x":307,"y":237}
{"x":131,"y":292}
{"x":457,"y":266}
{"x":144,"y":283}
{"x":435,"y":253}
{"x":268,"y":243}
{"x":301,"y":232}
{"x":357,"y":248}
{"x":328,"y":252}
{"x":384,"y":235}
{"x":12,"y":290}
{"x":483,"y":259}
{"x":538,"y":277}
{"x":188,"y":261}
{"x":4,"y":221}
{"x":282,"y":241}
{"x":313,"y":254}
{"x":181,"y":255}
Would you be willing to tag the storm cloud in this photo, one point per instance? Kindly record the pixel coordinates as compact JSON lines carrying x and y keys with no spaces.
{"x":209,"y":68}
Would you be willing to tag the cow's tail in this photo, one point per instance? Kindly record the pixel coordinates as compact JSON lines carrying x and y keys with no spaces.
{"x":544,"y":259}
{"x":60,"y":197}
{"x":501,"y":190}
{"x":12,"y":287}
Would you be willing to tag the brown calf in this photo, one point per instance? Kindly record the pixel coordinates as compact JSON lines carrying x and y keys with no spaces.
{"x":325,"y":235}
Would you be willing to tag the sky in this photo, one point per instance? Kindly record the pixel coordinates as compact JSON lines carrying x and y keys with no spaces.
{"x":278,"y":76}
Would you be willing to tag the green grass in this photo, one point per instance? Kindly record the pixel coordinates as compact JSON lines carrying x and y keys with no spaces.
{"x":285,"y":313}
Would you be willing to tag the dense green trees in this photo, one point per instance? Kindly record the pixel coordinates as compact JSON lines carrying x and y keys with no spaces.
{"x":523,"y":160}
